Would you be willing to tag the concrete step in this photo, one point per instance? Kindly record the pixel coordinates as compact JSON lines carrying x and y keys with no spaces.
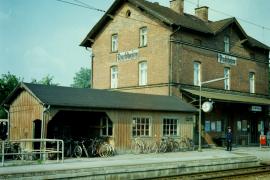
{"x":130,"y":169}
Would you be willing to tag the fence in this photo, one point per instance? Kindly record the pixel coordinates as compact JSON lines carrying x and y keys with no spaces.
{"x":24,"y":149}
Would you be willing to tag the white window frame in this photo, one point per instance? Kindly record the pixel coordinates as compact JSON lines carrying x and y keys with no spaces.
{"x":143,"y":73}
{"x":251,"y":77}
{"x":226,"y":44}
{"x":108,"y":124}
{"x":139,"y":126}
{"x":114,"y":77}
{"x":196,"y":73}
{"x":114,"y":42}
{"x":170,"y":128}
{"x":227,"y":82}
{"x":143,"y":36}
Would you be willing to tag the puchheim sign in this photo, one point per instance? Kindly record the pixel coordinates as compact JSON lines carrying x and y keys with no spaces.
{"x":127,"y":55}
{"x":226,"y":59}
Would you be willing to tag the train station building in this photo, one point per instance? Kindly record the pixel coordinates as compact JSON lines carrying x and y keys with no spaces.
{"x":144,"y":47}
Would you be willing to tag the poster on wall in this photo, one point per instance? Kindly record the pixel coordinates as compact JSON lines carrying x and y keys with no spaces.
{"x":213,"y":126}
{"x":207,"y":126}
{"x":218,"y":126}
{"x":239,"y":126}
{"x":244,"y":125}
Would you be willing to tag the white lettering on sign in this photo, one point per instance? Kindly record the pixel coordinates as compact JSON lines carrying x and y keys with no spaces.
{"x":226,"y":59}
{"x":256,"y":108}
{"x":128,"y":55}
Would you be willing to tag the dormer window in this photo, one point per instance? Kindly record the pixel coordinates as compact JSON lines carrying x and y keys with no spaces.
{"x":226,"y":44}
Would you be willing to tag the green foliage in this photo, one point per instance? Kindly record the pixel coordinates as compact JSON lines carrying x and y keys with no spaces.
{"x":47,"y":80}
{"x":82,"y":78}
{"x":8,"y":82}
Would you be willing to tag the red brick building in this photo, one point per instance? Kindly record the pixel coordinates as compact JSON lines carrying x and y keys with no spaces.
{"x":143,"y":47}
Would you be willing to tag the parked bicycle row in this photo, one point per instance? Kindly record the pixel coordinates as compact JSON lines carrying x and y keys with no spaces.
{"x":88,"y":147}
{"x":13,"y":150}
{"x":165,"y":144}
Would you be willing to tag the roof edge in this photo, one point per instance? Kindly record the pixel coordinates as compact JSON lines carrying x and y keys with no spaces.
{"x":18,"y":88}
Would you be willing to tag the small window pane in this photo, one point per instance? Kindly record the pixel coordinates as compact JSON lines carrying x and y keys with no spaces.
{"x":142,"y":126}
{"x":143,"y":36}
{"x":114,"y":43}
{"x":170,"y":127}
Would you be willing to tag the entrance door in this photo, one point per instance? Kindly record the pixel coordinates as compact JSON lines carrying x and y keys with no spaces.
{"x":254,"y":131}
{"x":37,"y":133}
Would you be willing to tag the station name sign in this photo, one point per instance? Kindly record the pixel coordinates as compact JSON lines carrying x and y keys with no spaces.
{"x":226,"y":59}
{"x":127,"y":55}
{"x":256,"y":108}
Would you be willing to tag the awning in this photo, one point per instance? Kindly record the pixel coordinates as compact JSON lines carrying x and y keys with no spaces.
{"x":230,"y":97}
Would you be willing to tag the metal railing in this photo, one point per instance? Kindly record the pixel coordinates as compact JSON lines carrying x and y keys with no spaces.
{"x":26,"y":149}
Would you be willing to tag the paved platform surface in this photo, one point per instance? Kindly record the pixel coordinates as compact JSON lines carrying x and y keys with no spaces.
{"x":186,"y":158}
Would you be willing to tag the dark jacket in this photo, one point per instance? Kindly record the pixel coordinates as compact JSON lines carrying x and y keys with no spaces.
{"x":229,"y":136}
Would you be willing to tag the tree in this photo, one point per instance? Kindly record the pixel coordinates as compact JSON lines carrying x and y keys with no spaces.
{"x":47,"y":80}
{"x":82,"y":78}
{"x":8,"y":82}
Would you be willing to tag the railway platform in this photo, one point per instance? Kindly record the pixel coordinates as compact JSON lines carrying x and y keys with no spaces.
{"x":142,"y":166}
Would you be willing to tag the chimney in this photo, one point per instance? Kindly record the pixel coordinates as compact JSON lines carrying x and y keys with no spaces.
{"x":177,"y":6}
{"x":202,"y":13}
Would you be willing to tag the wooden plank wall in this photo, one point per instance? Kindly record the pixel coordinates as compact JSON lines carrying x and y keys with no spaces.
{"x":23,"y":111}
{"x":122,"y":126}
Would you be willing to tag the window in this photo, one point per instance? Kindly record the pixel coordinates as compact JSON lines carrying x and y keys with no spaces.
{"x":114,"y":77}
{"x":227,"y":81}
{"x":226,"y":44}
{"x":142,"y":73}
{"x":114,"y":42}
{"x":143,"y":36}
{"x":170,"y":127}
{"x":252,"y":82}
{"x":106,"y":127}
{"x":141,"y":126}
{"x":197,"y":73}
{"x":128,"y":13}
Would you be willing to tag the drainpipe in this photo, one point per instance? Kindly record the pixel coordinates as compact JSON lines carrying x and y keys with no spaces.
{"x":8,"y":116}
{"x":92,"y":61}
{"x":171,"y":59}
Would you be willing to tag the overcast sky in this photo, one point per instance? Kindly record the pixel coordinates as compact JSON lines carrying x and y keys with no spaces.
{"x":40,"y":37}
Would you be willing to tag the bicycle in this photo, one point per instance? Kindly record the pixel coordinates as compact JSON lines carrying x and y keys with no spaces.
{"x":106,"y":150}
{"x":78,"y":150}
{"x":68,"y":147}
{"x":138,"y":146}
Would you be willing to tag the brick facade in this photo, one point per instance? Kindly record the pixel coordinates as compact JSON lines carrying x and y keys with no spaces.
{"x":156,"y":53}
{"x":174,"y":43}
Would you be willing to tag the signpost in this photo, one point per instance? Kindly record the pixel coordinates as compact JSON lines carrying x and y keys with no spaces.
{"x":207,"y":108}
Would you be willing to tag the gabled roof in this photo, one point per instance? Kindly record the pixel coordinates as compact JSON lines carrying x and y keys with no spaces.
{"x":218,"y":26}
{"x":87,"y":98}
{"x":170,"y":18}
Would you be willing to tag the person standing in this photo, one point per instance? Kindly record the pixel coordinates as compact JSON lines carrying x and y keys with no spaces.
{"x":229,"y":139}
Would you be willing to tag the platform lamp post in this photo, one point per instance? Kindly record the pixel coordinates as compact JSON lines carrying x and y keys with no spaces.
{"x":200,"y":108}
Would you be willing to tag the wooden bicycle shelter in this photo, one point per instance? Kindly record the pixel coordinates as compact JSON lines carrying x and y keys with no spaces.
{"x":40,"y":111}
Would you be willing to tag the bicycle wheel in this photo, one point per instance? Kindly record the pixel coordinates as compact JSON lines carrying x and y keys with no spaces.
{"x":163,"y":147}
{"x":77,"y":151}
{"x":103,"y":150}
